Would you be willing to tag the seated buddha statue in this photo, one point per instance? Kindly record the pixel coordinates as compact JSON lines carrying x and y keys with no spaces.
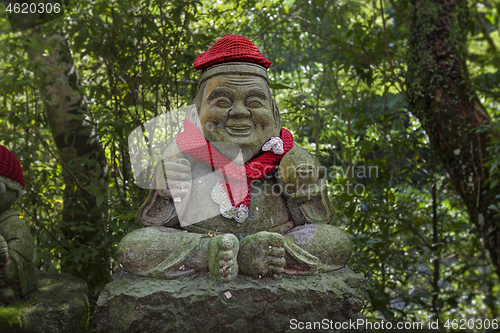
{"x":234,"y":194}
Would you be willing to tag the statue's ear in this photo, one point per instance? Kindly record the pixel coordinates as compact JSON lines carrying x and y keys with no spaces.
{"x":192,"y":114}
{"x":3,"y":190}
{"x":194,"y":117}
{"x":277,"y":118}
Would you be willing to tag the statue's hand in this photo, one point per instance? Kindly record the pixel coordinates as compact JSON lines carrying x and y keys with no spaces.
{"x":4,"y":251}
{"x":306,"y":176}
{"x":178,"y":179}
{"x":303,"y":183}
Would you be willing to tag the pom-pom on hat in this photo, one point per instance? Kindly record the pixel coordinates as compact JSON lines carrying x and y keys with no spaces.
{"x":10,"y":169}
{"x":231,"y":48}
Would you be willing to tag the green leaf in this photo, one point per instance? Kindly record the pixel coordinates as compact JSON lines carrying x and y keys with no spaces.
{"x":99,"y":200}
{"x":494,"y":207}
{"x":278,"y":86}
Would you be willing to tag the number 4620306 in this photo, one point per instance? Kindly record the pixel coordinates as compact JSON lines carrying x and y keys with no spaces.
{"x":463,"y":324}
{"x":32,"y":8}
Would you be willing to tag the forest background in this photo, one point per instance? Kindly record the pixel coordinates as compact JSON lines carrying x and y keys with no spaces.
{"x":398,"y":99}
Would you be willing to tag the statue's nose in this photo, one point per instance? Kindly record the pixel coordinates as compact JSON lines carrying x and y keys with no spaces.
{"x":239,"y":111}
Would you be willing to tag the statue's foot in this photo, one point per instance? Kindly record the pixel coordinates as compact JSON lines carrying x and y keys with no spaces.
{"x":222,"y":255}
{"x":262,"y":254}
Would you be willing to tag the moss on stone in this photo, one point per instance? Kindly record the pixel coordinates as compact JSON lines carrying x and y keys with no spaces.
{"x":85,"y":318}
{"x":60,"y":305}
{"x":14,"y":315}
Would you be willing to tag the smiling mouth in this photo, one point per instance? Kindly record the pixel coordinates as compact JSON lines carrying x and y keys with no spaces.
{"x":239,"y":130}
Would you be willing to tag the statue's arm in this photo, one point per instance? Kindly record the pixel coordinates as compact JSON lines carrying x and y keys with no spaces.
{"x":18,"y":238}
{"x":19,"y":267}
{"x":4,"y":251}
{"x":158,"y":211}
{"x":305,"y":187}
{"x":172,"y":190}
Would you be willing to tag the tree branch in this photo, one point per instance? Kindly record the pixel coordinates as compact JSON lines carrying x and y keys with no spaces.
{"x":39,"y":223}
{"x":412,"y":228}
{"x":488,"y":38}
{"x":65,"y":167}
{"x":400,"y":14}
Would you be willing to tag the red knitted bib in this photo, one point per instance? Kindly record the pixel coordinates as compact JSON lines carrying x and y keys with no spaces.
{"x":192,"y":142}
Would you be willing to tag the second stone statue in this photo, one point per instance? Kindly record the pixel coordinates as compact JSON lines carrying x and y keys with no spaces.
{"x":18,"y":273}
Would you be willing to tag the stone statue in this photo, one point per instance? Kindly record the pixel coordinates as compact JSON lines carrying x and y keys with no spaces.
{"x":18,"y":274}
{"x":241,"y":198}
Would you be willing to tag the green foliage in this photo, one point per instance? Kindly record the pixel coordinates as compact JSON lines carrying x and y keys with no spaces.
{"x":338,"y":93}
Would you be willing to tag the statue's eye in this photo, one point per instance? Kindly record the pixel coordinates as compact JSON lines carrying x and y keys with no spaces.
{"x":223,"y":102}
{"x":254,"y":103}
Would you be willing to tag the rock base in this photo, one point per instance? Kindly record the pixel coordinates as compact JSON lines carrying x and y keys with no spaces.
{"x":60,"y":305}
{"x":202,"y":304}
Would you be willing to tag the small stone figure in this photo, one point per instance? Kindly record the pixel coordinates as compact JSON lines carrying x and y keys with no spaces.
{"x":274,"y":217}
{"x":18,"y":274}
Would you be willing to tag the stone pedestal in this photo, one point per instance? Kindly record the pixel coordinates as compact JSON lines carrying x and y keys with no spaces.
{"x":202,"y":304}
{"x":60,"y":305}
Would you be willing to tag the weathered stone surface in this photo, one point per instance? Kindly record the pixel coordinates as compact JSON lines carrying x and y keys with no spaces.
{"x":202,"y":304}
{"x":60,"y":305}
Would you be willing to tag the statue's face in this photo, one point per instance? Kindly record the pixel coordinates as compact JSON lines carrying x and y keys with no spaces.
{"x":7,"y":197}
{"x":237,"y":109}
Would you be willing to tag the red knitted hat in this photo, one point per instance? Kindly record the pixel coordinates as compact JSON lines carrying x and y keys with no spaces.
{"x":10,"y":167}
{"x":231,"y":48}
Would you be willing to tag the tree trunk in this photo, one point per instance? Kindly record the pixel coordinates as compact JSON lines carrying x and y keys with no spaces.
{"x":83,"y":159}
{"x":440,"y":96}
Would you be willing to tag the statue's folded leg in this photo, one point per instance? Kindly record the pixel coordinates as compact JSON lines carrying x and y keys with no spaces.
{"x":317,"y":248}
{"x":160,"y":252}
{"x":10,"y":288}
{"x":18,"y":277}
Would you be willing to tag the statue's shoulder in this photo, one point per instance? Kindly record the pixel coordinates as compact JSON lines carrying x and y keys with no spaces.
{"x":17,"y":233}
{"x":9,"y":215}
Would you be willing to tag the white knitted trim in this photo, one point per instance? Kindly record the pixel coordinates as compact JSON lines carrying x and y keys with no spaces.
{"x":241,"y":214}
{"x":274,"y":144}
{"x":227,"y":210}
{"x":13,"y":185}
